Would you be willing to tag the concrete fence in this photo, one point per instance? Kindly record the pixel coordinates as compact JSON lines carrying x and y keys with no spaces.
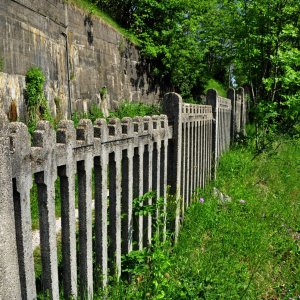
{"x":222,"y":126}
{"x":113,"y":163}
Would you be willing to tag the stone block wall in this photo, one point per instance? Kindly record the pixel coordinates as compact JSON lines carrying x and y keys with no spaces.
{"x":32,"y":34}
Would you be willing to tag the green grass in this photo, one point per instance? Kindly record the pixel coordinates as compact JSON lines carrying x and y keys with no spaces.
{"x":233,"y":250}
{"x":92,"y":8}
{"x":246,"y":250}
{"x":214,"y":84}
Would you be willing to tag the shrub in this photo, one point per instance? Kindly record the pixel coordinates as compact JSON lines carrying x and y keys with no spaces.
{"x":37,"y":105}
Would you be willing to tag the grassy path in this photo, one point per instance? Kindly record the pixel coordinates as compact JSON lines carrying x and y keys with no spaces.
{"x":247,"y":249}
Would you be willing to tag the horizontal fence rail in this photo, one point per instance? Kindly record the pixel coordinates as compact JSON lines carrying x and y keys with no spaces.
{"x":109,"y":164}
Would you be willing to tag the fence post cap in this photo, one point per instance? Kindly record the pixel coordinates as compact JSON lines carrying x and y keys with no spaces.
{"x":65,"y":124}
{"x":230,"y":93}
{"x":85,"y":131}
{"x":100,"y":122}
{"x":212,"y":92}
{"x":66,"y":132}
{"x":240,"y":91}
{"x":126,"y":120}
{"x":44,"y":135}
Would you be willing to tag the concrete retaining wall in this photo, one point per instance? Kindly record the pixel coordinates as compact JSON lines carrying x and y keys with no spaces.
{"x":34,"y":33}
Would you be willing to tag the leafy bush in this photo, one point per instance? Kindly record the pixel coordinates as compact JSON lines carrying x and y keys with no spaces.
{"x":37,"y":105}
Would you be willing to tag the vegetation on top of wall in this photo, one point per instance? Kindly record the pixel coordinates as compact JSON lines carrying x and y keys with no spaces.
{"x":93,"y":114}
{"x":93,"y":9}
{"x":218,"y":86}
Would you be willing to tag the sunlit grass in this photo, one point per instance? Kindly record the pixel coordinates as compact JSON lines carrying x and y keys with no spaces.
{"x":246,"y":250}
{"x":94,"y":10}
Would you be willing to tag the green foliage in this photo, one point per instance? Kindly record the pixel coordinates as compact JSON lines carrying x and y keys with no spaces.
{"x":133,"y":109}
{"x":126,"y":109}
{"x":76,"y":116}
{"x":253,"y":43}
{"x":119,"y":10}
{"x":265,"y":39}
{"x":148,"y":270}
{"x":141,"y":206}
{"x":171,"y":34}
{"x":37,"y":105}
{"x":35,"y":80}
{"x":95,"y":113}
{"x":103,"y":92}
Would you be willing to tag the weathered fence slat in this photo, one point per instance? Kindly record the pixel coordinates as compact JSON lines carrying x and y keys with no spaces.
{"x":66,"y":136}
{"x":44,"y":141}
{"x":127,"y":189}
{"x":9,"y":269}
{"x":22,"y":183}
{"x":85,"y":136}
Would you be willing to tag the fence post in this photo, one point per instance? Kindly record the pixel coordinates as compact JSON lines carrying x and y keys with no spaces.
{"x":22,"y":184}
{"x":66,"y":135}
{"x":9,"y":269}
{"x":172,"y":106}
{"x":243,"y":110}
{"x":85,"y":137}
{"x":231,"y":96}
{"x":238,"y":112}
{"x":212,"y":99}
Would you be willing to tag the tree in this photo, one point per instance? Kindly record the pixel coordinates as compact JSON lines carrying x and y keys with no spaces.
{"x":265,"y":42}
{"x":255,"y":41}
{"x":176,"y":37}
